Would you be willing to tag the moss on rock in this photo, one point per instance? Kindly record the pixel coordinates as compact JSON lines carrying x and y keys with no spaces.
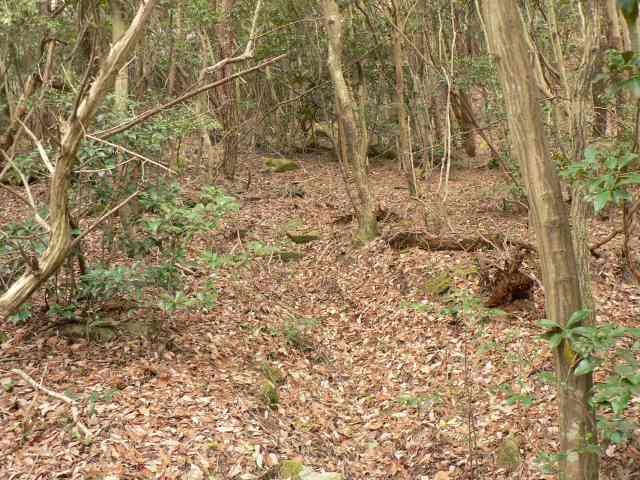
{"x":279,"y":165}
{"x":269,"y":394}
{"x":439,"y":284}
{"x":508,"y":453}
{"x":302,"y":235}
{"x":291,"y":470}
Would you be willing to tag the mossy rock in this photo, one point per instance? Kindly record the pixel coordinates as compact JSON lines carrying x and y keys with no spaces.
{"x":508,"y":453}
{"x":302,"y":235}
{"x":98,"y":333}
{"x":142,"y":328}
{"x":7,"y":384}
{"x":279,"y":165}
{"x":290,"y":470}
{"x":465,"y":270}
{"x":284,"y":256}
{"x":272,"y":374}
{"x":288,"y":256}
{"x":439,"y":284}
{"x":269,"y":394}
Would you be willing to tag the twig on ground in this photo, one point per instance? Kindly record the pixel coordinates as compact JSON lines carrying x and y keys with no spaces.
{"x":58,"y":396}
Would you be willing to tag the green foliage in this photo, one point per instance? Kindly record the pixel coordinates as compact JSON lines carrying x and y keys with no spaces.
{"x":112,"y":281}
{"x":172,"y":223}
{"x":297,"y":332}
{"x":22,"y":315}
{"x":591,"y":343}
{"x":629,"y":10}
{"x":418,"y":307}
{"x":261,"y":249}
{"x":419,"y":401}
{"x":214,"y":260}
{"x":524,"y":398}
{"x":100,"y":395}
{"x":462,"y":303}
{"x":169,"y":225}
{"x":607,"y":174}
{"x":203,"y":300}
{"x":19,"y":241}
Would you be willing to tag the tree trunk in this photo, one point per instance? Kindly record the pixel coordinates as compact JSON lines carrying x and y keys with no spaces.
{"x":127,"y":174}
{"x":614,"y":40}
{"x":352,"y":137}
{"x":60,"y":244}
{"x":404,"y":148}
{"x":175,"y":48}
{"x":121,"y":87}
{"x":559,"y":266}
{"x":462,"y":109}
{"x":227,"y":101}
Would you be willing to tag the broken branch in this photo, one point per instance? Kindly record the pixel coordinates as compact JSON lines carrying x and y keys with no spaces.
{"x":58,"y":396}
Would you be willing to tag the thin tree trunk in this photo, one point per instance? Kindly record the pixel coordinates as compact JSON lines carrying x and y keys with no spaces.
{"x":175,"y":48}
{"x":127,"y":174}
{"x":614,"y":40}
{"x":404,"y":149}
{"x":462,"y":109}
{"x":559,"y":266}
{"x":227,"y":101}
{"x":352,"y":138}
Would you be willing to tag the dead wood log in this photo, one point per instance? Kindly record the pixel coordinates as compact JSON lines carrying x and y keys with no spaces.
{"x":402,"y":240}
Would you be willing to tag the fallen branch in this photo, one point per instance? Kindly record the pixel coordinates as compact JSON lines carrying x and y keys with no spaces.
{"x":59,"y":396}
{"x":424,"y":241}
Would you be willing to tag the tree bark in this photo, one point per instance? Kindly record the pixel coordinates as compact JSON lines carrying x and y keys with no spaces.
{"x":404,"y":148}
{"x":60,"y":244}
{"x":175,"y":48}
{"x":227,"y":101}
{"x":128,"y":175}
{"x":559,"y":266}
{"x":352,"y":137}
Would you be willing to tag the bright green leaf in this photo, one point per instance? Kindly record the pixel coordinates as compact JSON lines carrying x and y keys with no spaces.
{"x":585,"y":366}
{"x":549,"y":324}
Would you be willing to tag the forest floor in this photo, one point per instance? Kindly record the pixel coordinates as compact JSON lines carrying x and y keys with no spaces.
{"x":381,"y":377}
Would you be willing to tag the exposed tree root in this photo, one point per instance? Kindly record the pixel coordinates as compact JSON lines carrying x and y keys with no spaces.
{"x":507,"y":284}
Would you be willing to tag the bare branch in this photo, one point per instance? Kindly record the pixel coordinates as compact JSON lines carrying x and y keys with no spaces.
{"x":95,"y":224}
{"x":130,"y":152}
{"x":25,"y":182}
{"x":41,"y":151}
{"x":57,"y":396}
{"x":154,"y":111}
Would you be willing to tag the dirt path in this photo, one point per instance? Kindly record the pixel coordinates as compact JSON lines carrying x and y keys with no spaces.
{"x":380,"y":378}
